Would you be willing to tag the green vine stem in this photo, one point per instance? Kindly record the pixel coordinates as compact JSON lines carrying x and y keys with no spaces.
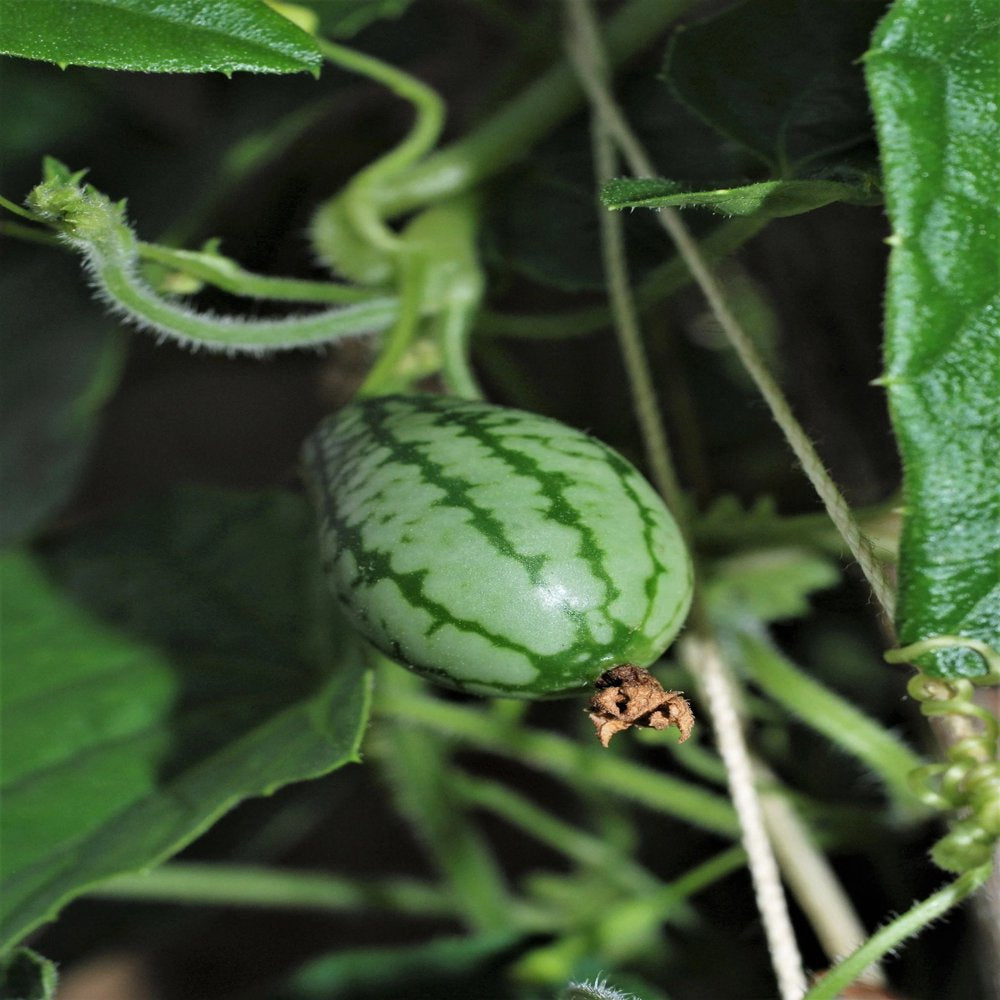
{"x":624,"y":928}
{"x":507,"y":135}
{"x":214,"y":269}
{"x":563,"y":758}
{"x":384,"y":375}
{"x":832,"y":716}
{"x":415,"y":763}
{"x":659,"y":284}
{"x":430,"y":113}
{"x":16,"y":209}
{"x":30,"y":234}
{"x":90,"y":223}
{"x":893,"y":934}
{"x":633,"y":352}
{"x":585,"y":849}
{"x":455,"y":326}
{"x":203,"y":884}
{"x":441,"y":278}
{"x":991,"y":657}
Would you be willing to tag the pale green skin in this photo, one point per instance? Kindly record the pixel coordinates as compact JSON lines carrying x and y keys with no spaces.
{"x":496,"y":551}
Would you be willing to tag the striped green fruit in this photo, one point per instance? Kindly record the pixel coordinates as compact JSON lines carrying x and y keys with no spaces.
{"x":495,"y":551}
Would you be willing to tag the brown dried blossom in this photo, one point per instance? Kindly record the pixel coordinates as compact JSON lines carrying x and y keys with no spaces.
{"x":629,"y":696}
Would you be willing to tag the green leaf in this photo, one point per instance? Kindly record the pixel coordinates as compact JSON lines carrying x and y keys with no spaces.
{"x":770,"y":199}
{"x":204,"y":666}
{"x":932,"y":72}
{"x":183,"y":36}
{"x":26,"y":975}
{"x":56,"y":379}
{"x":770,"y":584}
{"x":780,"y":77}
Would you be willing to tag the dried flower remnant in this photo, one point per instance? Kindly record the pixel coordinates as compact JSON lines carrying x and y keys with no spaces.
{"x":629,"y":696}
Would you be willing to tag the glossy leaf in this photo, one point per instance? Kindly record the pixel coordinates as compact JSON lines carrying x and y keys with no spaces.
{"x":770,"y":199}
{"x":932,"y":75}
{"x":187,"y":659}
{"x":183,"y":36}
{"x":780,"y":77}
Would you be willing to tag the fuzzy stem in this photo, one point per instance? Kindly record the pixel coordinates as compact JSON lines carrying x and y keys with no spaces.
{"x":129,"y":296}
{"x":836,"y":506}
{"x":91,"y":224}
{"x":702,"y":658}
{"x":893,"y":934}
{"x":633,"y":351}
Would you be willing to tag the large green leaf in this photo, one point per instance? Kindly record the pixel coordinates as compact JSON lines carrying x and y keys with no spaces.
{"x":779,"y":76}
{"x":60,"y":361}
{"x":932,"y":72}
{"x":182,"y":36}
{"x":187,"y":658}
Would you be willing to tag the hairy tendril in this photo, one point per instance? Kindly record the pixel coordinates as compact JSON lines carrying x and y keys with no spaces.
{"x":97,"y":228}
{"x":968,"y":780}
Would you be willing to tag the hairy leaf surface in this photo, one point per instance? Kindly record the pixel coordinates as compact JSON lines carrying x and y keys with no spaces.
{"x":770,"y":199}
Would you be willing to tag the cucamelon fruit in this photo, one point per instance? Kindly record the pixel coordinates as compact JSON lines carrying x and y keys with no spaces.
{"x":495,"y":551}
